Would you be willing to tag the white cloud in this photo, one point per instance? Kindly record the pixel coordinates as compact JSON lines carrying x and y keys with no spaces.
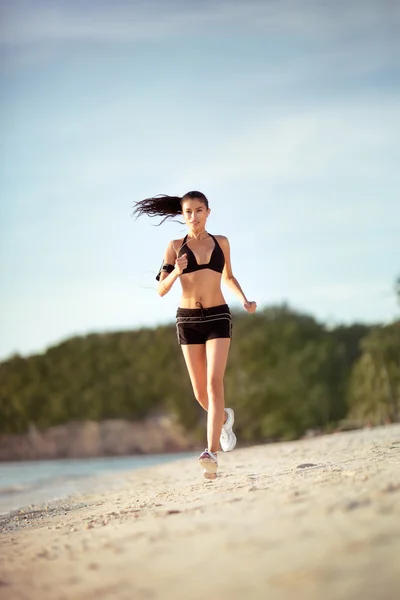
{"x":340,"y":302}
{"x":348,"y":291}
{"x":27,"y":22}
{"x":331,"y":141}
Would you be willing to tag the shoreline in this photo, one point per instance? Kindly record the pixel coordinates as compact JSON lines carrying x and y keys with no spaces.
{"x":31,"y":484}
{"x":313,"y":518}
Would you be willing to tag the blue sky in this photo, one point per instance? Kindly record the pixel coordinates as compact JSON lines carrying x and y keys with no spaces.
{"x":285,"y":114}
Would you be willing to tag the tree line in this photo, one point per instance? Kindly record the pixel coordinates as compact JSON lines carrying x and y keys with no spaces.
{"x":287,"y":374}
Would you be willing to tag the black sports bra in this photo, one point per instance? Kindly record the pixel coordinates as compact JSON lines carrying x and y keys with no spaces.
{"x":216,"y":262}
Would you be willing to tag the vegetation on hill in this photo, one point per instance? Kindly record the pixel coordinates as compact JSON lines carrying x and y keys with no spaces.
{"x":287,"y":373}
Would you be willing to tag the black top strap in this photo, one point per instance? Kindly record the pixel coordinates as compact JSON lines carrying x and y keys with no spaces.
{"x":183,"y":243}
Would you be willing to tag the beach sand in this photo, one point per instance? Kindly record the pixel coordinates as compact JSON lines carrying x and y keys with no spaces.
{"x":313,"y":519}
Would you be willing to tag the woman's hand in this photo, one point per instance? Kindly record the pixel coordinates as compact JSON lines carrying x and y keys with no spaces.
{"x":181,"y":264}
{"x":250,"y":306}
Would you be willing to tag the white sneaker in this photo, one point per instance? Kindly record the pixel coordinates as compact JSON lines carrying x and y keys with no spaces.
{"x":209,"y":461}
{"x":228,"y":438}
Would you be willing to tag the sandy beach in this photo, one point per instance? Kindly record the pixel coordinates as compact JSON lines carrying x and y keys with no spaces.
{"x":313,"y":519}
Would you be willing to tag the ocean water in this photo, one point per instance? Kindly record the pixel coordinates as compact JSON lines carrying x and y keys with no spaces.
{"x":31,"y":483}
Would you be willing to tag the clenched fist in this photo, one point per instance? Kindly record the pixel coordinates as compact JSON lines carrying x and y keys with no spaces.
{"x":181,"y":264}
{"x":250,"y":306}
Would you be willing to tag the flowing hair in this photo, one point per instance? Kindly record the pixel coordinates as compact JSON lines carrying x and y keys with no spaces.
{"x":165,"y":206}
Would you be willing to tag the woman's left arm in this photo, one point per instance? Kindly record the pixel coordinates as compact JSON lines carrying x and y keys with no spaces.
{"x":230,"y":279}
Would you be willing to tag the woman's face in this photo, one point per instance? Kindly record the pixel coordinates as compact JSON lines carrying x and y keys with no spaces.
{"x":195,"y":214}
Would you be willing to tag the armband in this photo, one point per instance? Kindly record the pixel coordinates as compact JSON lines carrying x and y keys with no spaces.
{"x":165,"y":268}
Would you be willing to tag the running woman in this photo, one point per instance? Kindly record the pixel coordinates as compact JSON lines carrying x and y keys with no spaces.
{"x":203,"y":320}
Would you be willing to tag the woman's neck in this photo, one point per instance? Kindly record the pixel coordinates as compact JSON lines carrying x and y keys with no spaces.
{"x":199,"y":235}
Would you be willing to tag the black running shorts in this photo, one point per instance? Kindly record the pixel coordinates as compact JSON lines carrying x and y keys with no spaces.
{"x":197,"y":325}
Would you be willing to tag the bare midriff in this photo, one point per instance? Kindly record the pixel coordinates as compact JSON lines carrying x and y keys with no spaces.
{"x":201,"y":287}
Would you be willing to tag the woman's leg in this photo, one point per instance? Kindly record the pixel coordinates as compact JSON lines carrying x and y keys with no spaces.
{"x":195,"y":358}
{"x":216,"y":358}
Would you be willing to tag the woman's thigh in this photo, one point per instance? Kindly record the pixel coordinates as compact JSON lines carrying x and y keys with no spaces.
{"x":196,"y":363}
{"x":217,"y":351}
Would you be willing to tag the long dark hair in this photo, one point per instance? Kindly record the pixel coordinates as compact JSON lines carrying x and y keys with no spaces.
{"x":165,"y":206}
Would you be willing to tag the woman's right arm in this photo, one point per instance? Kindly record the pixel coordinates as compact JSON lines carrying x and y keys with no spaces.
{"x":168,"y":280}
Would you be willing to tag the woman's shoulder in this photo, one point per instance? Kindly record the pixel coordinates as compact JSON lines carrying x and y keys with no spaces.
{"x":175,"y":245}
{"x":221,"y":239}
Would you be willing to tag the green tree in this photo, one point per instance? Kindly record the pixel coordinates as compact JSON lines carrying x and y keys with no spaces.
{"x":397,"y":289}
{"x":374,"y":394}
{"x":287,"y":373}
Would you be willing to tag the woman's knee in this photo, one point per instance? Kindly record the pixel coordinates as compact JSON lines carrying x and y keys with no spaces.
{"x":215,"y":386}
{"x":201,"y":396}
